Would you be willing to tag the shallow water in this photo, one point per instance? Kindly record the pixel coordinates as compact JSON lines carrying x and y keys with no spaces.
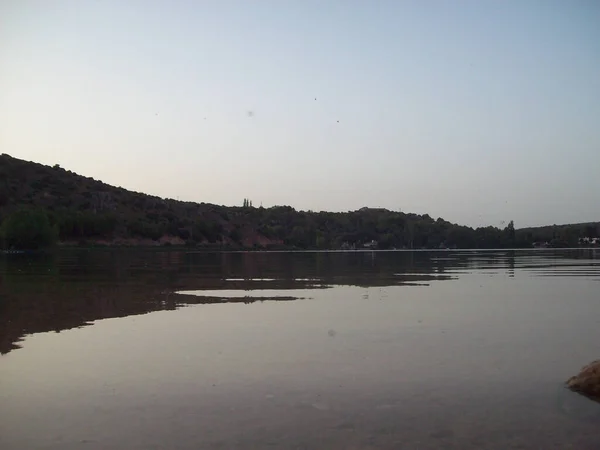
{"x":348,"y":350}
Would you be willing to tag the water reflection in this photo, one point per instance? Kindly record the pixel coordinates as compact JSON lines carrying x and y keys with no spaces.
{"x":298,"y":350}
{"x":70,"y":289}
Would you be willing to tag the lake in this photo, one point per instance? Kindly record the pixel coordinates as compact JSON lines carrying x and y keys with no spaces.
{"x":133,"y":349}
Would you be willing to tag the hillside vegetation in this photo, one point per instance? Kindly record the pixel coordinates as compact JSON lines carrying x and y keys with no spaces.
{"x":84,"y":211}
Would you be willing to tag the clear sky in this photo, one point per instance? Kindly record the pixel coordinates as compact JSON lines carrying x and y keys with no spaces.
{"x":476,"y":111}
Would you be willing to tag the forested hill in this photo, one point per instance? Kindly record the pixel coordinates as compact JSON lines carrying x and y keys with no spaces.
{"x":85,"y":211}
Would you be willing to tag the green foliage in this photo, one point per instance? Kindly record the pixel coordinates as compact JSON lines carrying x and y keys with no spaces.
{"x":28,"y":229}
{"x":211,"y":232}
{"x":142,"y":229}
{"x":4,"y":194}
{"x":84,"y":209}
{"x":591,"y":231}
{"x":84,"y":224}
{"x":235,"y":235}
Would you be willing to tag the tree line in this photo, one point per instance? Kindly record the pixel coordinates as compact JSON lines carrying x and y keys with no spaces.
{"x":281,"y":227}
{"x":41,"y":205}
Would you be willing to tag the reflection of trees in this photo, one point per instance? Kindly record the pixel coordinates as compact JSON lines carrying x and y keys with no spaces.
{"x":55,"y":292}
{"x":75,"y":287}
{"x":511,"y":263}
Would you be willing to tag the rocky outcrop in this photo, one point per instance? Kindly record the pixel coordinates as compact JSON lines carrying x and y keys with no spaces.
{"x":587,"y":382}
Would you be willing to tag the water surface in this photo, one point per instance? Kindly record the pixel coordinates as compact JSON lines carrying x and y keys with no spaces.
{"x":349,"y":350}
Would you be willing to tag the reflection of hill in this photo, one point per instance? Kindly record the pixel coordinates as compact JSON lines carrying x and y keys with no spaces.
{"x":71,"y":289}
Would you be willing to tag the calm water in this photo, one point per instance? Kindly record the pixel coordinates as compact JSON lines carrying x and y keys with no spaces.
{"x":374,"y":350}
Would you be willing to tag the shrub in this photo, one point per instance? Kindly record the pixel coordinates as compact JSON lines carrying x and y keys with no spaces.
{"x":28,"y":229}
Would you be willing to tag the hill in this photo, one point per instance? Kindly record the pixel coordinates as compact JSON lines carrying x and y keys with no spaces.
{"x":85,"y":211}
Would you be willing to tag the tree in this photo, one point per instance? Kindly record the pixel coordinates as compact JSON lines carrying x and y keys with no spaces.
{"x":591,"y":231}
{"x":235,"y":235}
{"x":510,"y":232}
{"x":28,"y":229}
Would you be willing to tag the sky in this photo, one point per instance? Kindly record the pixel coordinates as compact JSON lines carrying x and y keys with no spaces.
{"x":479,"y":111}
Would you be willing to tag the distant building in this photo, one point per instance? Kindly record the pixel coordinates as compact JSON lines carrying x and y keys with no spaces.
{"x":372,"y":244}
{"x":589,"y":241}
{"x":541,"y":244}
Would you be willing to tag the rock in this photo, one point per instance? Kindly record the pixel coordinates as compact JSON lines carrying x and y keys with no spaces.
{"x":587,"y":382}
